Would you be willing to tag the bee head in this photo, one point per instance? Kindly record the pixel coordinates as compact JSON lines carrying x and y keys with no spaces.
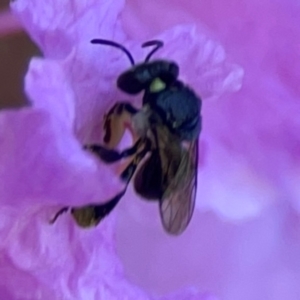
{"x":148,"y":75}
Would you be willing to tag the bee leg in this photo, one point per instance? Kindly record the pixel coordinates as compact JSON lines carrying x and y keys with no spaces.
{"x":110,"y":155}
{"x":116,"y":121}
{"x":60,"y":212}
{"x":128,"y":172}
{"x":92,"y":214}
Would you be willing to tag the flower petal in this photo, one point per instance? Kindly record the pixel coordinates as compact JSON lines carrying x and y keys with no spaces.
{"x":40,"y":155}
{"x":70,"y":96}
{"x":58,"y":27}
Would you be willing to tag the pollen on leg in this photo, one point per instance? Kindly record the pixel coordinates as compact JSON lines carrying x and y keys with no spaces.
{"x":116,"y":122}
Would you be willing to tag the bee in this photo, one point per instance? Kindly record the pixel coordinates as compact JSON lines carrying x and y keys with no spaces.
{"x":164,"y":155}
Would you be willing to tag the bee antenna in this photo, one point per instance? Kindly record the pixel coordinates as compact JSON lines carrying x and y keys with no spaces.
{"x":111,"y":43}
{"x":158,"y":44}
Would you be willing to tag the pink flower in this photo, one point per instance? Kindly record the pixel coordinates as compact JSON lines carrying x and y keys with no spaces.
{"x":242,"y":242}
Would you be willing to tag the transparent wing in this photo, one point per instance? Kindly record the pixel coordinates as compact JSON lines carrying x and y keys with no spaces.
{"x":178,"y":200}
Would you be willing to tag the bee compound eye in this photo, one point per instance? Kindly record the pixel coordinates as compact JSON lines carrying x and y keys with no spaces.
{"x":129,"y":82}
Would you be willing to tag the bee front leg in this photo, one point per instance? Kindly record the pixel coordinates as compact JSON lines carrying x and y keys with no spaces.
{"x":115,"y":122}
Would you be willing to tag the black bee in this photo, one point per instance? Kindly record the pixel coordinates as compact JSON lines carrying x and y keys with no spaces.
{"x":166,"y":131}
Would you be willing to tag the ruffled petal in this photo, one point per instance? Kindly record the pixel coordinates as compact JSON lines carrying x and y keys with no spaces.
{"x":59,"y":26}
{"x":42,"y":158}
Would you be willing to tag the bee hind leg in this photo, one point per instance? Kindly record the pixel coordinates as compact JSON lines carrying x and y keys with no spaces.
{"x":91,"y":215}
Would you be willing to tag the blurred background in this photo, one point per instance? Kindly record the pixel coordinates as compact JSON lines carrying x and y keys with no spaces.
{"x":16,"y":49}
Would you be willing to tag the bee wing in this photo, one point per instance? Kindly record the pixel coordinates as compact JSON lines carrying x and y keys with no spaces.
{"x":178,"y":200}
{"x":160,"y":166}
